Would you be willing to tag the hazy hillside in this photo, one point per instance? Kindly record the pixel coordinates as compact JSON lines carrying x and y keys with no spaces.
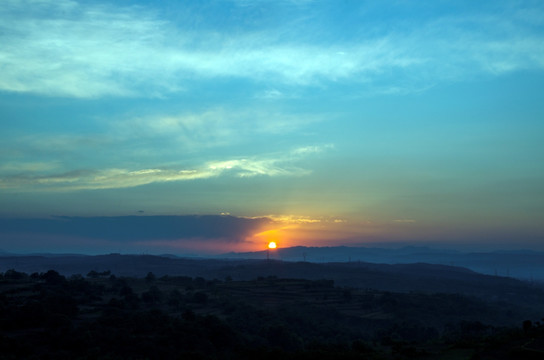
{"x":522,"y":264}
{"x":398,"y":277}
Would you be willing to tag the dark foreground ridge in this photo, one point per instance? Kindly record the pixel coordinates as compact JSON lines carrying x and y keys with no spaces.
{"x":135,"y":307}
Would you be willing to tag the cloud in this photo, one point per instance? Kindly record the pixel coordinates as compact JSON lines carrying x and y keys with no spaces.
{"x":404,"y":221}
{"x":278,"y":164}
{"x":43,"y":144}
{"x":130,"y":229}
{"x":290,"y":219}
{"x":86,"y":50}
{"x":18,"y":167}
{"x":493,"y":44}
{"x":213,"y":127}
{"x":270,"y":94}
{"x":159,"y":148}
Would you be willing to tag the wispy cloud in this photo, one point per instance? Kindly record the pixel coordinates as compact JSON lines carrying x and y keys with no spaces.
{"x":304,"y":219}
{"x":278,"y":164}
{"x":487,"y":43}
{"x":144,"y":142}
{"x":213,"y":127}
{"x":404,"y":221}
{"x":64,"y":48}
{"x":19,"y":167}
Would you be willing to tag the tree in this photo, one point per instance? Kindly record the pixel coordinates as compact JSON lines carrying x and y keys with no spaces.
{"x":150,"y":277}
{"x":153,"y":296}
{"x":200,"y":297}
{"x":53,"y":278}
{"x":11,"y":274}
{"x":527,"y":326}
{"x":175,"y":299}
{"x":92,"y":274}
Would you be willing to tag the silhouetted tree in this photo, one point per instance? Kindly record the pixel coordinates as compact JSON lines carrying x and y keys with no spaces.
{"x":52,"y":277}
{"x":200,"y":282}
{"x":200,"y":297}
{"x":11,"y":274}
{"x":347,"y":295}
{"x":150,"y":277}
{"x":92,"y":274}
{"x":153,"y":296}
{"x":189,"y":315}
{"x":527,"y":326}
{"x":175,"y":299}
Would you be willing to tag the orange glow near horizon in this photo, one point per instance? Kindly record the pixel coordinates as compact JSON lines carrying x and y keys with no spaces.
{"x":272,"y":245}
{"x":289,"y":233}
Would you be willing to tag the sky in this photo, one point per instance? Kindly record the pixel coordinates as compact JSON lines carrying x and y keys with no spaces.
{"x":213,"y":126}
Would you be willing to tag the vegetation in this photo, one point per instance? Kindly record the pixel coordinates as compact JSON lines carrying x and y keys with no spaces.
{"x":47,"y":315}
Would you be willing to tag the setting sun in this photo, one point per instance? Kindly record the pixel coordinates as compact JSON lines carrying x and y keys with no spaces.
{"x":272,"y":245}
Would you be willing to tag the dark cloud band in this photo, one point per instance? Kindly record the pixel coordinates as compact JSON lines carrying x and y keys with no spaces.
{"x":137,"y":228}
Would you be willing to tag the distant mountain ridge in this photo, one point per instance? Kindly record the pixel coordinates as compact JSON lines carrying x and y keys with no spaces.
{"x":522,"y":264}
{"x":418,"y":277}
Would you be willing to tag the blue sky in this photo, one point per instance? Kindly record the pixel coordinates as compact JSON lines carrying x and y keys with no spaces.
{"x":326,"y":122}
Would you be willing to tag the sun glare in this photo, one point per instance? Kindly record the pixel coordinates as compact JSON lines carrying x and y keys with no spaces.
{"x":272,"y":245}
